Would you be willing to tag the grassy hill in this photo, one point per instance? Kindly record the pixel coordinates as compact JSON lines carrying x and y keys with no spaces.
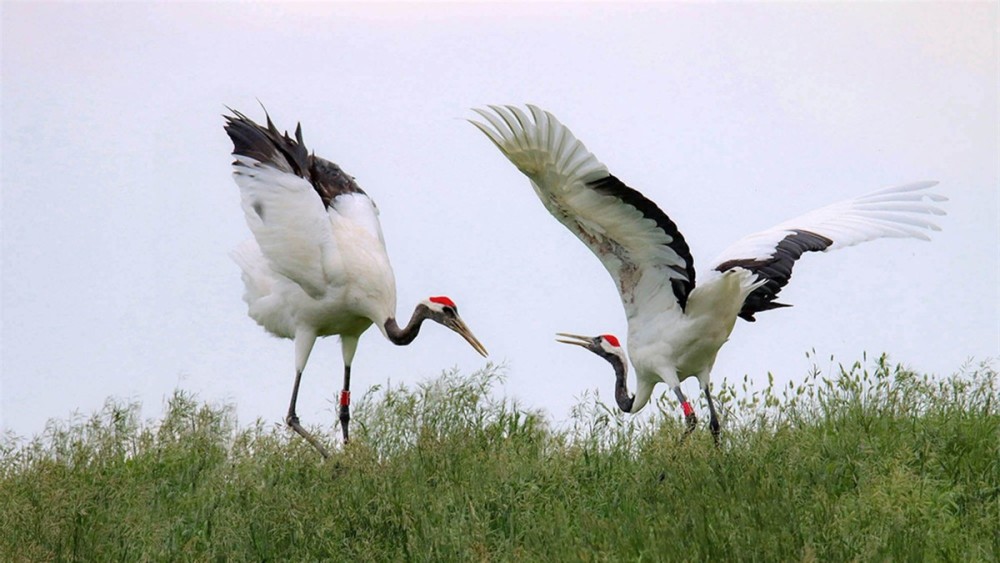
{"x":873,"y":463}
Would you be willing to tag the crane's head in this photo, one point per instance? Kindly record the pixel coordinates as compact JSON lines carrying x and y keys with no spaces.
{"x":604,"y":345}
{"x":444,"y":311}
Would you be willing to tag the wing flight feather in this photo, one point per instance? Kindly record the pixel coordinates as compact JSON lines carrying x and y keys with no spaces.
{"x":897,"y":211}
{"x":631,"y":236}
{"x":288,"y":196}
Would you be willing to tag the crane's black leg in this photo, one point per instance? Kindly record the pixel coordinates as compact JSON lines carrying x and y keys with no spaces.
{"x":689,"y":416}
{"x":293,"y":419}
{"x":345,"y":402}
{"x":714,"y":422}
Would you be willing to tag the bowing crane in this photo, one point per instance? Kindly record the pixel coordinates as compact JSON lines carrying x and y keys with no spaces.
{"x":317,"y":264}
{"x":675,"y":328}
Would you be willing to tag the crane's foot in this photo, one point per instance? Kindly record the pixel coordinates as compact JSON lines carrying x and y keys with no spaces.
{"x":691,"y":421}
{"x":689,"y":417}
{"x":716,"y":431}
{"x":292,"y":420}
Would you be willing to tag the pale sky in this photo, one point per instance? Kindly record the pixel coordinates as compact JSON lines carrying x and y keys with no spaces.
{"x":119,"y":210}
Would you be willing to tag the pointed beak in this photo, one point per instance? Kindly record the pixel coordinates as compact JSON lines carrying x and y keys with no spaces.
{"x":459,"y":326}
{"x":576,"y":339}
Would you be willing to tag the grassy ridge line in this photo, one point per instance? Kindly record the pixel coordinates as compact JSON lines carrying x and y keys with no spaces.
{"x":875,"y":463}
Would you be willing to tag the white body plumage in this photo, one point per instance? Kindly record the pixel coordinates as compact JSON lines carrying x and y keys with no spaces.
{"x":670,"y":345}
{"x":351,"y":281}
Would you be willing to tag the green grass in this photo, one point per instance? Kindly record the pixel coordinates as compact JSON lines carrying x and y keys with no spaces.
{"x":871,"y":463}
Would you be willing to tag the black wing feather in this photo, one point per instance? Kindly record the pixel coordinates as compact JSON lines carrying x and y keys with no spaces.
{"x":268,"y":146}
{"x":777,"y":270}
{"x":610,"y":185}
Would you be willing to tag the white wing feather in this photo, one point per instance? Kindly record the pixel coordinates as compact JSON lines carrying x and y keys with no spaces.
{"x":898,"y":211}
{"x":289,"y":222}
{"x":628,"y":243}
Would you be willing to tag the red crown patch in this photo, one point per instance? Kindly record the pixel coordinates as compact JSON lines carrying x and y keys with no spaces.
{"x":442,"y":300}
{"x":612,"y":339}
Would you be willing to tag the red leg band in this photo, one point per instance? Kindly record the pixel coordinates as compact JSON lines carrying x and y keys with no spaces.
{"x":688,"y":410}
{"x":345,"y":398}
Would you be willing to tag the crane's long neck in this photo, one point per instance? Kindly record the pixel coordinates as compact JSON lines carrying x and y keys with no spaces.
{"x":622,"y":396}
{"x":626,"y":402}
{"x":405,"y":335}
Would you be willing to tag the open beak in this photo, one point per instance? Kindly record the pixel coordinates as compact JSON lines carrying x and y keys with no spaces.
{"x":567,"y":338}
{"x":459,"y":326}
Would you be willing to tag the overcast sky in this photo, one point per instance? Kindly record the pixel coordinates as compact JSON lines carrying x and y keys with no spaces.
{"x":119,"y":210}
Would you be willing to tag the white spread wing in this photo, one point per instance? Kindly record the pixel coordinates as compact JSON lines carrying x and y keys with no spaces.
{"x":638,"y":244}
{"x":898,"y":211}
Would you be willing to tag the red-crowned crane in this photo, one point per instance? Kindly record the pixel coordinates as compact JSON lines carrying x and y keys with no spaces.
{"x":675,"y":329}
{"x":317,"y":263}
